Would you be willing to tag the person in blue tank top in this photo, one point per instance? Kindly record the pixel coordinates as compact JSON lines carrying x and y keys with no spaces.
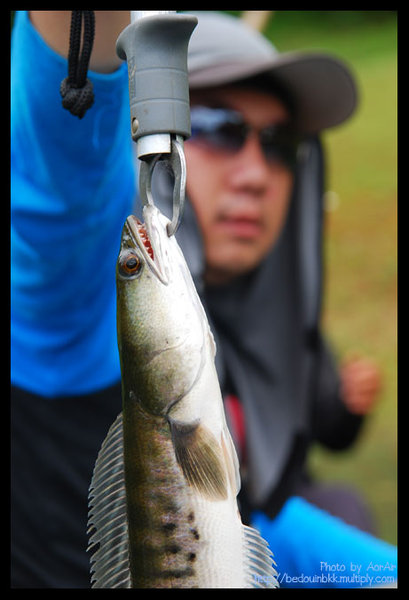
{"x":73,"y":183}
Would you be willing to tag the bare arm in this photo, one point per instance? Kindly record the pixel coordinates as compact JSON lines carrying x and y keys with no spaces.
{"x":54,"y":27}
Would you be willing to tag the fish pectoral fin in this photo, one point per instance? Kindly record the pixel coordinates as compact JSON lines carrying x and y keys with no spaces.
{"x":201,"y":459}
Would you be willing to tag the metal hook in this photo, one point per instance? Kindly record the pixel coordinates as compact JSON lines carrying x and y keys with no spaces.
{"x":177,"y":163}
{"x":145,"y":179}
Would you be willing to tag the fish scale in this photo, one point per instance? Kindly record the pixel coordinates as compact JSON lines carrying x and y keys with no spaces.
{"x":153,"y":559}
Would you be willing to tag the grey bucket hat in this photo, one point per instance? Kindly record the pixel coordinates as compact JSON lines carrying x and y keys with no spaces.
{"x":223,"y":49}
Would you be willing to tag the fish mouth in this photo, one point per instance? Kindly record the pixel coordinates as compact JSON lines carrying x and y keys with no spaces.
{"x":147,"y":237}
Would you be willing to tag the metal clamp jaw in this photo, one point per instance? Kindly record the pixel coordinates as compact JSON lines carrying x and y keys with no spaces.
{"x":177,"y":162}
{"x":155,"y":46}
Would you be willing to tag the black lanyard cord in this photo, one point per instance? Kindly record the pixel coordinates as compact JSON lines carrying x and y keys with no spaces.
{"x":76,"y":90}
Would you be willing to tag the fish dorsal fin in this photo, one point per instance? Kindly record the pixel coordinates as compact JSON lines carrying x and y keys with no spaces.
{"x":258,"y":560}
{"x":107,"y":520}
{"x":201,"y":459}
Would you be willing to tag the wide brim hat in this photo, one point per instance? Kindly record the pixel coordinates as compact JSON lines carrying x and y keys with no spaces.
{"x":224,"y":50}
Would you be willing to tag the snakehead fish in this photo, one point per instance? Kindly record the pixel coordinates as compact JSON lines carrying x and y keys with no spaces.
{"x":163,"y":507}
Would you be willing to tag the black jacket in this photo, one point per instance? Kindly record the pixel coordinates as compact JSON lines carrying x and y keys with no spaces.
{"x":270,"y":349}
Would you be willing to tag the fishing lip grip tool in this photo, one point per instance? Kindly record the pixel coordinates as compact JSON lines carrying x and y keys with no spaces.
{"x":155,"y":47}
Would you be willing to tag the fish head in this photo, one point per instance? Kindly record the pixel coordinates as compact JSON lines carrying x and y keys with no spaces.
{"x":162,"y":327}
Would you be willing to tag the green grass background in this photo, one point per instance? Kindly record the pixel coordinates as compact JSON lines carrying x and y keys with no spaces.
{"x":360,"y":312}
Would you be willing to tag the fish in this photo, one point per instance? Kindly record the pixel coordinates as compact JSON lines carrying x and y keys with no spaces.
{"x":163,"y":510}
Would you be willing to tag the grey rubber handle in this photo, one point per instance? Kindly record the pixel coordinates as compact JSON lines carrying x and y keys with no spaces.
{"x":155,"y":48}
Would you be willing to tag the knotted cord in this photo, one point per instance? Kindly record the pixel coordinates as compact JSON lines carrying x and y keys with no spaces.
{"x":76,"y":90}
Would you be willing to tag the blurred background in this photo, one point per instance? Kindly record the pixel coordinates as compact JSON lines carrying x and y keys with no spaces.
{"x":360,"y":302}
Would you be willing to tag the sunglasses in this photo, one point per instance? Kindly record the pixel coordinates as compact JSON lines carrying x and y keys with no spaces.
{"x":226,"y":130}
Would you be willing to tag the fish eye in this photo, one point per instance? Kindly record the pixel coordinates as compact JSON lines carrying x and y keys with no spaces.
{"x":130,"y":265}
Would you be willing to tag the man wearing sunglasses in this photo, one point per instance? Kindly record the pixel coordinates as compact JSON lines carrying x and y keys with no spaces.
{"x":252,"y":235}
{"x":253,"y":232}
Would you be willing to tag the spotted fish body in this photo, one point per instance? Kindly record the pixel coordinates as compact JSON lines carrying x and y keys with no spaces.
{"x":163,"y":498}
